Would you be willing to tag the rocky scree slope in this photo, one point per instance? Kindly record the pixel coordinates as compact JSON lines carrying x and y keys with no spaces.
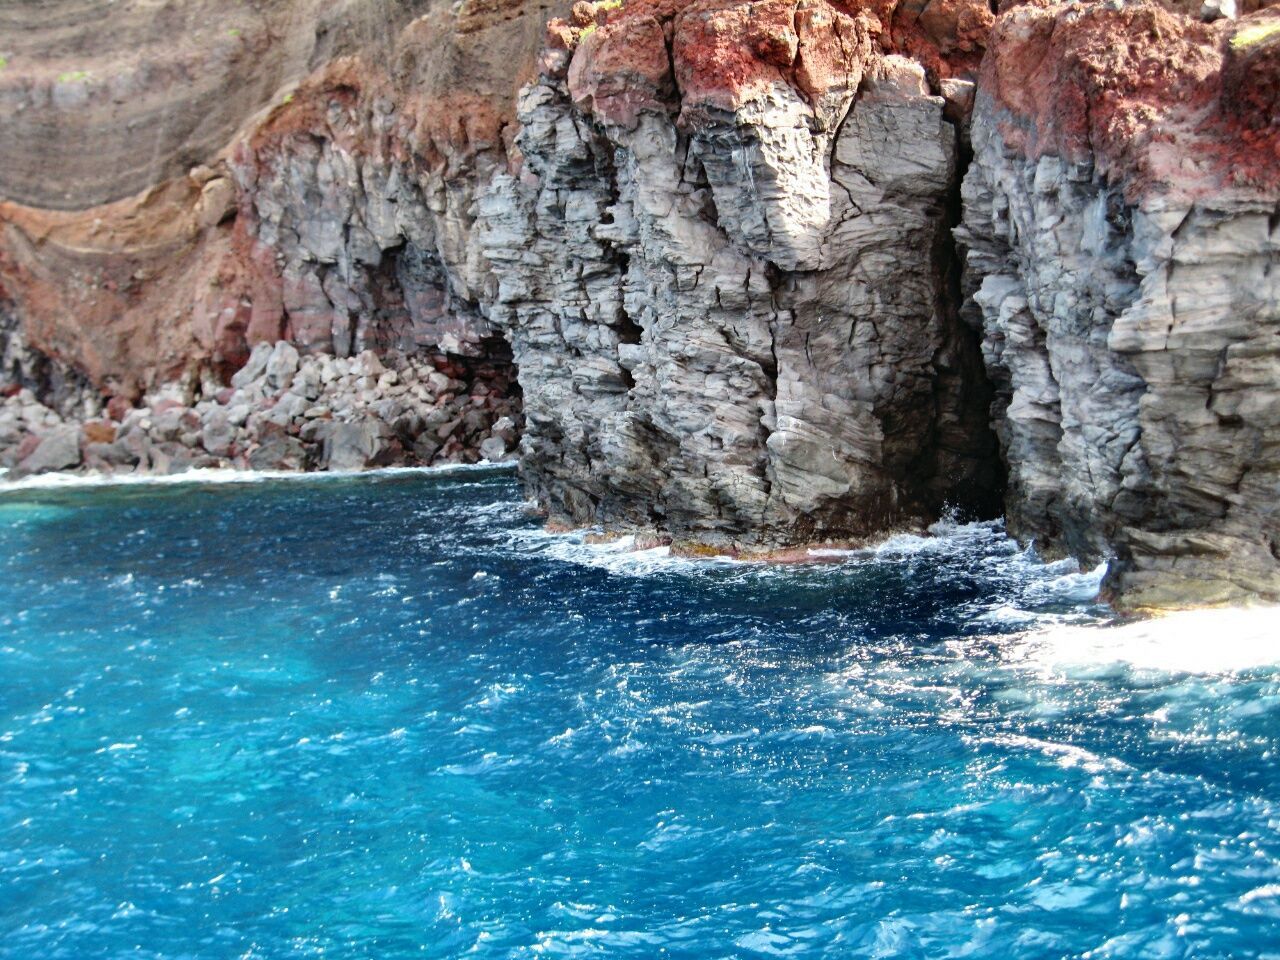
{"x":728,"y":248}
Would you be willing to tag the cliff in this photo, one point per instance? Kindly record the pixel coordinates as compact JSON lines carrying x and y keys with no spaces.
{"x":1122,"y":215}
{"x":768,"y":274}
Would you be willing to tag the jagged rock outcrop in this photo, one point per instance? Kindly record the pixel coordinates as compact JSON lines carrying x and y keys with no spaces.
{"x":1122,"y":215}
{"x":725,"y":269}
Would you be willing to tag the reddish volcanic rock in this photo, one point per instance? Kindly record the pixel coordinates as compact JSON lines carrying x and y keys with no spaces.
{"x":118,"y":408}
{"x":99,"y":431}
{"x":720,"y":54}
{"x":727,"y":52}
{"x":621,"y":69}
{"x":1251,"y":78}
{"x":1157,"y":100}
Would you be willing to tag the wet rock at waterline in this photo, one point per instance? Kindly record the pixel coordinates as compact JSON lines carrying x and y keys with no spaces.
{"x":1122,"y":267}
{"x":729,"y":290}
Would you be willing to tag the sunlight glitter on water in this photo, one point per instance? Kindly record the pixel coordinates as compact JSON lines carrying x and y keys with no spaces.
{"x":389,"y":716}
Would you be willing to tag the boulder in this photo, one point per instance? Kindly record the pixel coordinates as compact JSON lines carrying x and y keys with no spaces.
{"x":108,"y":456}
{"x":279,"y":453}
{"x":282,"y":365}
{"x":355,"y":446}
{"x":493,"y":449}
{"x":255,"y":368}
{"x":59,"y":449}
{"x":218,"y":432}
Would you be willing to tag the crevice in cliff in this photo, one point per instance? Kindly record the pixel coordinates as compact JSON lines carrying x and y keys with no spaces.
{"x":959,"y":358}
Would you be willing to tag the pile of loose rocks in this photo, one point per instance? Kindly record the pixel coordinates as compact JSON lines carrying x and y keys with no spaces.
{"x":282,"y":411}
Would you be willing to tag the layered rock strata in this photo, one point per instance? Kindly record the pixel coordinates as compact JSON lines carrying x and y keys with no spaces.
{"x":1122,"y":218}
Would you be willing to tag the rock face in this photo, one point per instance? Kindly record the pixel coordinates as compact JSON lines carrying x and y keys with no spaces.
{"x":724,"y":246}
{"x":141,"y":257}
{"x":1123,"y":269}
{"x":729,"y":289}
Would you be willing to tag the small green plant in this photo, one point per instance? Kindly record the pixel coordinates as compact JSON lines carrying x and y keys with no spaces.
{"x":4,"y":62}
{"x":74,"y":76}
{"x":1255,"y":34}
{"x":233,"y":32}
{"x":609,"y":5}
{"x":288,"y":98}
{"x":587,"y":31}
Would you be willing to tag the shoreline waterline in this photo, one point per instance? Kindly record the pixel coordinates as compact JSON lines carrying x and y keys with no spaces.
{"x":71,"y":481}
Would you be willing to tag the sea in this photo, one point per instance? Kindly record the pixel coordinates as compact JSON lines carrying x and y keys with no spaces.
{"x":389,"y":715}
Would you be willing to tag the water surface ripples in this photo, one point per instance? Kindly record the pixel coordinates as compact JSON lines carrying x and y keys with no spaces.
{"x":390,"y":717}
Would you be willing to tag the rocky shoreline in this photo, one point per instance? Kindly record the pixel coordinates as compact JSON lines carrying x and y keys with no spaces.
{"x":772,"y":273}
{"x":281,"y":411}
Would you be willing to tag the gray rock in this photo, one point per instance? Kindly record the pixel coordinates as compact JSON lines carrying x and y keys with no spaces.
{"x":493,"y":449}
{"x":59,"y":449}
{"x":307,"y":383}
{"x":282,"y":364}
{"x":355,"y":446}
{"x":109,"y":456}
{"x":287,"y":409}
{"x":255,"y":368}
{"x":740,"y":330}
{"x":1137,"y":373}
{"x":279,"y":453}
{"x":218,"y":432}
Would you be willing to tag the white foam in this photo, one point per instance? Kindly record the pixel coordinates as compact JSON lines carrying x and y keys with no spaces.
{"x":227,"y":475}
{"x":618,"y":556}
{"x":1066,"y":755}
{"x":1217,"y":641}
{"x":986,"y":540}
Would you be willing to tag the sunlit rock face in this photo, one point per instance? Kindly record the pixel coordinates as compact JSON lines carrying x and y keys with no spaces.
{"x":726,"y":271}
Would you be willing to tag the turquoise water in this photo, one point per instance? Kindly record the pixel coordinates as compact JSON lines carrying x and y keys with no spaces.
{"x":388,"y":717}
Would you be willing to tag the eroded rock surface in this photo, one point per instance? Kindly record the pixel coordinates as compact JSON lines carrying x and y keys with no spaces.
{"x":727,"y":283}
{"x":1123,"y":267}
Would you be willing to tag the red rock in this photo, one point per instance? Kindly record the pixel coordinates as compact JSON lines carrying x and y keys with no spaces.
{"x":118,"y":408}
{"x":99,"y":431}
{"x":27,"y":447}
{"x":1114,"y":83}
{"x":621,"y":69}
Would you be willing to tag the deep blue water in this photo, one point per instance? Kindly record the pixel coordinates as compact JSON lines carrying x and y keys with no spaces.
{"x":388,"y":717}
